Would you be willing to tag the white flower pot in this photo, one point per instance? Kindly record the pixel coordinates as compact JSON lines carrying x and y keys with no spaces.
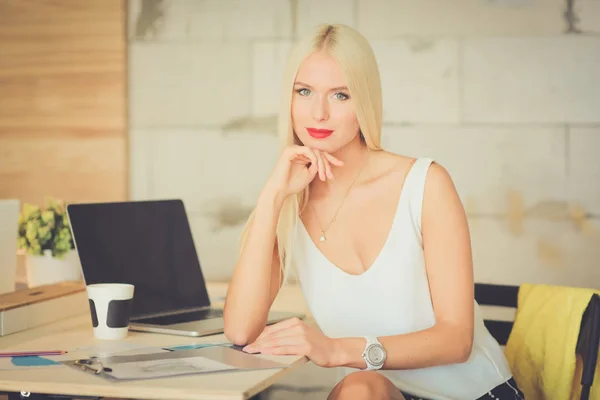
{"x":44,"y":270}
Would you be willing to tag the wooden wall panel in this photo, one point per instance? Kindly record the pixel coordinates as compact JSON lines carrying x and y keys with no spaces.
{"x":63,"y":100}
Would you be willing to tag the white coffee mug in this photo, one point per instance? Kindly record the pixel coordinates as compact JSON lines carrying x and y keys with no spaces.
{"x":110,"y":308}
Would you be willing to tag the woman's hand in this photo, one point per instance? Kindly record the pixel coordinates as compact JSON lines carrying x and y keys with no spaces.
{"x":294,"y":337}
{"x":298,"y":166}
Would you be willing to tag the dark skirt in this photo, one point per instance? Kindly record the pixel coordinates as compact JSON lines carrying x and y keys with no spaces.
{"x":506,"y":391}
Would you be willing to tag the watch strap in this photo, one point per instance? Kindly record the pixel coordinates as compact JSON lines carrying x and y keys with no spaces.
{"x":370,"y":341}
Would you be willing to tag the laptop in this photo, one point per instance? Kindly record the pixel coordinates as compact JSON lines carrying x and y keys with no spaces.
{"x":9,"y":228}
{"x":149,"y":244}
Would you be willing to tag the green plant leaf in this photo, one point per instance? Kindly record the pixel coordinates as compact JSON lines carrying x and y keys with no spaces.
{"x":31,"y":230}
{"x":48,"y":218}
{"x":45,"y":230}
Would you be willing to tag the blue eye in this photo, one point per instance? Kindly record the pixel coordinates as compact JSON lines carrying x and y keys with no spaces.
{"x":303,"y":92}
{"x":341,"y":96}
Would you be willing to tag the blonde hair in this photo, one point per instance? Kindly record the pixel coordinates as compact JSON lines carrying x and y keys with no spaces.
{"x":359,"y":67}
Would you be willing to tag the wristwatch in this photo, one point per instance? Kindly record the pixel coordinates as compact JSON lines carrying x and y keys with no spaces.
{"x":374,"y":354}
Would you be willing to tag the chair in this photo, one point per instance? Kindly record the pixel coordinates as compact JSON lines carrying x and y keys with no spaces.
{"x":588,"y":340}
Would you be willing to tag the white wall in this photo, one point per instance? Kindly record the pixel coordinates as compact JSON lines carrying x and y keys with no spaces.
{"x":504,"y":94}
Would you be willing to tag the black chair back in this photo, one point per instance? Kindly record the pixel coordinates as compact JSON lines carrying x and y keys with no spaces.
{"x":588,"y":344}
{"x":497,"y":295}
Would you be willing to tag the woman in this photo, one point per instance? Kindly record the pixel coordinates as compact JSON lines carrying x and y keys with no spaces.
{"x":381,"y":246}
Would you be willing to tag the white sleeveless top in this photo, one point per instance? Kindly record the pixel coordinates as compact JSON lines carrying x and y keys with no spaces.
{"x":392,"y":297}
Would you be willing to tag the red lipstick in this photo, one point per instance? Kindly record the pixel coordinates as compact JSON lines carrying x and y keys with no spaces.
{"x":319,"y":133}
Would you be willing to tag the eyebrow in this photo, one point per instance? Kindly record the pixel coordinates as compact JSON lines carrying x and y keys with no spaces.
{"x":310,"y":87}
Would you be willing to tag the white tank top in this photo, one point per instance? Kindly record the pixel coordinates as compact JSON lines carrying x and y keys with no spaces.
{"x":392,"y":297}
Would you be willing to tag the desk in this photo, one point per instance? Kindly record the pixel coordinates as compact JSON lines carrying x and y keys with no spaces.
{"x":77,"y":331}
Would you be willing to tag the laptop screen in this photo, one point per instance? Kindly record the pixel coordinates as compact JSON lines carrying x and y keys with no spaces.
{"x":147,"y":244}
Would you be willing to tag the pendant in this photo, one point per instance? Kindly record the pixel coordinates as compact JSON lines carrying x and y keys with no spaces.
{"x":322,"y":238}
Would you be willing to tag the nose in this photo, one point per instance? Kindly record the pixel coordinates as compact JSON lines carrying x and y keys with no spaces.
{"x":320,"y":108}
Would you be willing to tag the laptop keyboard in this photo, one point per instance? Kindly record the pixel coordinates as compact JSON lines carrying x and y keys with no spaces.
{"x":184,"y":317}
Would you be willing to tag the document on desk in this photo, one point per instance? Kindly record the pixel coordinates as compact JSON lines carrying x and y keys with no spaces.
{"x":110,"y":348}
{"x":98,"y":350}
{"x":164,"y":368}
{"x":173,"y":363}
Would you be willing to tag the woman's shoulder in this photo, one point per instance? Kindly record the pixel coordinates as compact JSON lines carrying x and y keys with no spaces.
{"x":403,"y":163}
{"x":397,"y":167}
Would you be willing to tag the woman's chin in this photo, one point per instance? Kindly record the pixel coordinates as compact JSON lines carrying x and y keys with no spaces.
{"x":321,"y":144}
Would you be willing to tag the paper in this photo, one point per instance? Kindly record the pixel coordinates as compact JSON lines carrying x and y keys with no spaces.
{"x":111,"y":348}
{"x":99,"y":350}
{"x":165,"y":368}
{"x":206,"y":359}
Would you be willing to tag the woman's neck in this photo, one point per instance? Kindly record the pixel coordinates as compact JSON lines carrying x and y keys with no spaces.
{"x":354,"y":155}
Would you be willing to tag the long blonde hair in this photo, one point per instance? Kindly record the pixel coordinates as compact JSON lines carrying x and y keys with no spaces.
{"x":359,"y":67}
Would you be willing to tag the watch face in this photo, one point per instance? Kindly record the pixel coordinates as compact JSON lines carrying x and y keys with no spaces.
{"x":376,"y":355}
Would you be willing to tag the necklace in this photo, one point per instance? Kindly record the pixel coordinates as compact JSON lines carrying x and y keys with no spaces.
{"x":322,"y":237}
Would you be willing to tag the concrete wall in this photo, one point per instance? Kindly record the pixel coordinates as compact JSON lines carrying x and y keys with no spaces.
{"x":504,"y":94}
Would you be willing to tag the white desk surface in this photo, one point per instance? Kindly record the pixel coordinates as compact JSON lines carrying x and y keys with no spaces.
{"x":77,"y":332}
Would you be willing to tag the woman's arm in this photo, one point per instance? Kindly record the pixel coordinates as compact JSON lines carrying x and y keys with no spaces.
{"x":448,"y":260}
{"x":256,"y":278}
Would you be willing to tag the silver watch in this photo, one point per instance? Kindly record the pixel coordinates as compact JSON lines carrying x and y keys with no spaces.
{"x":374,"y":354}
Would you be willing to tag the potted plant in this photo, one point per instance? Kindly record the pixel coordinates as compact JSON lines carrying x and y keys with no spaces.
{"x":45,"y":237}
